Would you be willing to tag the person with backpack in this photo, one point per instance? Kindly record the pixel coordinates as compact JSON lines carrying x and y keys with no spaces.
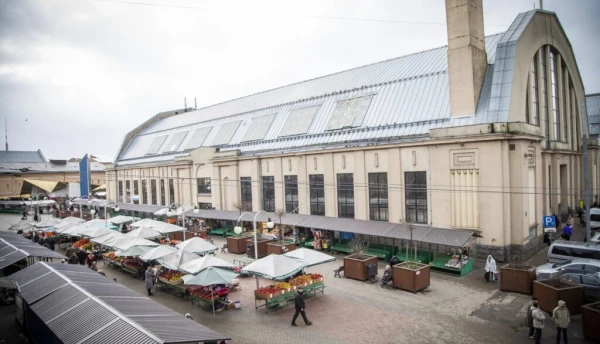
{"x":538,"y":321}
{"x":562,"y":318}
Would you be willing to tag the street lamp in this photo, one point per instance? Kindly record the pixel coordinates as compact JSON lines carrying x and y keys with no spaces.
{"x":37,"y":204}
{"x":238,"y":229}
{"x":175,"y":206}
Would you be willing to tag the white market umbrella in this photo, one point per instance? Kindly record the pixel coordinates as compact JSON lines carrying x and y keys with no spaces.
{"x":121,"y":219}
{"x":210,"y":276}
{"x":174,"y":260}
{"x":133,"y":251}
{"x":146,"y":223}
{"x":47,"y":223}
{"x":72,"y":219}
{"x":311,"y":257}
{"x":73,"y":230}
{"x":197,"y":265}
{"x":131,"y":242}
{"x":196,"y":245}
{"x":162,"y":227}
{"x":161,"y":212}
{"x":143,"y":232}
{"x":108,"y":239}
{"x":101,"y":223}
{"x":274,"y":267}
{"x":92,"y":232}
{"x":21,"y":225}
{"x":158,"y":252}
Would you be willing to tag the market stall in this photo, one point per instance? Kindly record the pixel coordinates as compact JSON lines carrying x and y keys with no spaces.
{"x":197,"y":245}
{"x":170,"y":281}
{"x":456,"y":261}
{"x":210,"y":287}
{"x":144,"y":232}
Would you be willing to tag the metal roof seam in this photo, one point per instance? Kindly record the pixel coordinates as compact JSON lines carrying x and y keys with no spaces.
{"x":35,"y":279}
{"x":68,"y":310}
{"x":99,"y":330}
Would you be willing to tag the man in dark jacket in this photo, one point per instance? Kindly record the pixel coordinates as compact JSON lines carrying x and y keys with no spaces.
{"x":299,"y":302}
{"x":82,"y":256}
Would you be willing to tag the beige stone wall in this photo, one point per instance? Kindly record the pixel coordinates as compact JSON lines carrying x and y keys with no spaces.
{"x":10,"y":184}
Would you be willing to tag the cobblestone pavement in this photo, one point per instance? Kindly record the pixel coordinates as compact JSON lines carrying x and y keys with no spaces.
{"x":451,"y":310}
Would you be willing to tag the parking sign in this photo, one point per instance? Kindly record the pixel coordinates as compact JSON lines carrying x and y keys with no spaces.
{"x":549,"y":224}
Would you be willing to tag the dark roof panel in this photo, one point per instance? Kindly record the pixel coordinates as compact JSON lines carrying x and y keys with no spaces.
{"x":120,"y":332}
{"x":21,"y":156}
{"x":80,"y":322}
{"x":177,"y":329}
{"x":59,"y":302}
{"x":38,"y":288}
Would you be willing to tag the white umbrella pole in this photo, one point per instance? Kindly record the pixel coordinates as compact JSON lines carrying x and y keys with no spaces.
{"x":212,"y":299}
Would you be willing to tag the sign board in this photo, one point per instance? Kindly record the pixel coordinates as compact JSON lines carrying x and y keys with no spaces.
{"x":85,"y":178}
{"x":549,"y":224}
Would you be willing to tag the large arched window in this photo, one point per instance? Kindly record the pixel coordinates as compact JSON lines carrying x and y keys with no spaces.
{"x":555,"y":99}
{"x":535,"y":97}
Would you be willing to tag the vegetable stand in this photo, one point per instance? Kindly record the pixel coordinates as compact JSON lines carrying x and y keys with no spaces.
{"x":279,"y":295}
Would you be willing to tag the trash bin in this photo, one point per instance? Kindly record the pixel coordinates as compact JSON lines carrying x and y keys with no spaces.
{"x":250,"y":250}
{"x":372,"y":271}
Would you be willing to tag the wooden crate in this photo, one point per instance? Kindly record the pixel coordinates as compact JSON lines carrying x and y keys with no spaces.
{"x":355,"y":266}
{"x":517,"y":278}
{"x":277,"y":248}
{"x":411,"y":276}
{"x":237,"y":244}
{"x":550,"y":291}
{"x":262,"y":246}
{"x":590,"y":318}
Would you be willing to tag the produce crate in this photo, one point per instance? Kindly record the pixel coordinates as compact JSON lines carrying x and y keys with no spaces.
{"x":590,"y":318}
{"x":260,"y":296}
{"x":550,"y":291}
{"x":517,"y":278}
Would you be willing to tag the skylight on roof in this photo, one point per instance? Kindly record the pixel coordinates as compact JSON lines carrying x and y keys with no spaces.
{"x":198,"y":137}
{"x":225,"y":133}
{"x":299,"y":120}
{"x":156,"y":144}
{"x":349,"y":113}
{"x":258,"y":128}
{"x":176,"y":140}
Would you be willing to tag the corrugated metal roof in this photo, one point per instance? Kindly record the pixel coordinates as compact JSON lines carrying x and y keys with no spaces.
{"x":21,"y":156}
{"x":144,"y":208}
{"x":58,"y":302}
{"x":37,"y":289}
{"x":178,"y":329}
{"x":410,"y":96}
{"x":28,"y":247}
{"x":447,"y":237}
{"x":119,"y":332}
{"x":46,"y":167}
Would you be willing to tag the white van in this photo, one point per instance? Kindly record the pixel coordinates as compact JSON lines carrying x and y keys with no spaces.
{"x":562,"y":250}
{"x":594,"y":218}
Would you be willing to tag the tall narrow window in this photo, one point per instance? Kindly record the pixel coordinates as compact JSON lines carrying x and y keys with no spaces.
{"x":163,"y":196}
{"x":378,"y":196}
{"x":555,"y":99}
{"x":204,"y":185}
{"x":345,"y":193}
{"x":291,"y":194}
{"x":317,"y":194}
{"x":127,"y":191}
{"x":527,"y":107}
{"x":416,"y":196}
{"x":550,"y":188}
{"x":535,"y":97}
{"x":120,"y":191}
{"x":144,"y":191}
{"x":577,"y":120}
{"x":136,"y":195}
{"x":268,"y":193}
{"x":565,"y":86}
{"x":545,"y":95}
{"x":171,"y":191}
{"x":246,"y":193}
{"x":153,"y":191}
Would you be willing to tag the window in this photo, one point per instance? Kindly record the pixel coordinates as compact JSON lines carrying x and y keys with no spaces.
{"x":298,"y":121}
{"x":128,"y":191}
{"x":595,"y":217}
{"x":225,"y":133}
{"x":176,"y":141}
{"x":171,"y":191}
{"x":204,"y":185}
{"x":590,"y":280}
{"x":144,"y":191}
{"x":378,"y":196}
{"x":246,"y":186}
{"x":291,"y":194}
{"x":120,"y":191}
{"x":565,"y":85}
{"x":317,"y":194}
{"x":136,"y":195}
{"x":345,"y":193}
{"x":268,"y":193}
{"x":153,"y":191}
{"x":561,"y":251}
{"x":527,"y":107}
{"x":198,"y":137}
{"x":416,"y":196}
{"x":258,"y":128}
{"x":555,"y":100}
{"x":535,"y":97}
{"x":349,"y":113}
{"x":545,"y":95}
{"x":162,"y":192}
{"x":156,"y":144}
{"x":205,"y":205}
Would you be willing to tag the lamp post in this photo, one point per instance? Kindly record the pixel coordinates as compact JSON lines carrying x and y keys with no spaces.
{"x":37,"y":203}
{"x":175,"y":206}
{"x":238,"y":229}
{"x":106,"y":204}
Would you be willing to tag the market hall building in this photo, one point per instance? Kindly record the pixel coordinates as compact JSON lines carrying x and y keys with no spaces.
{"x":482,"y":135}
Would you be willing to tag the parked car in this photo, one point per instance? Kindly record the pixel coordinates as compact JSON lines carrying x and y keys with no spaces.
{"x":562,"y":250}
{"x":595,"y":239}
{"x":590,"y":283}
{"x":578,"y":266}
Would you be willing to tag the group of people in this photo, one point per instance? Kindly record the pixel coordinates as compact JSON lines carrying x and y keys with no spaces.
{"x":82,"y":258}
{"x":536,"y":319}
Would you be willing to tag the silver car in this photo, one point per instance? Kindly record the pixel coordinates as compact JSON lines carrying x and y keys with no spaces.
{"x":578,"y":266}
{"x":590,"y":283}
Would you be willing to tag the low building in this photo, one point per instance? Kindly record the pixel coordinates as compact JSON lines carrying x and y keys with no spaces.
{"x":484,"y":134}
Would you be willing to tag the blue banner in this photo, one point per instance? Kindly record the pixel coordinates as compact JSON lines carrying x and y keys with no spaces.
{"x":85,"y":176}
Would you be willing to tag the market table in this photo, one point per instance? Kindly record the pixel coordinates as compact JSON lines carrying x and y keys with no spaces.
{"x":276,"y":303}
{"x":241,"y":262}
{"x":178,"y":289}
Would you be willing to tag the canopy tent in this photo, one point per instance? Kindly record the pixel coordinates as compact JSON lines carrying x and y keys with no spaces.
{"x":158,"y":252}
{"x":131,"y":242}
{"x":274,"y":267}
{"x":72,"y":219}
{"x":49,"y":222}
{"x":174,"y":260}
{"x":197,"y":245}
{"x":92,"y":232}
{"x":197,"y":265}
{"x":162,"y":227}
{"x":146,"y":223}
{"x":121,"y":219}
{"x":109,"y":239}
{"x":311,"y":257}
{"x":176,"y":212}
{"x":161,"y":212}
{"x":101,"y":223}
{"x":60,"y":227}
{"x":210,"y":276}
{"x":133,"y":251}
{"x":49,"y":187}
{"x":21,"y":225}
{"x":72,"y":230}
{"x":143,"y":232}
{"x":101,"y":187}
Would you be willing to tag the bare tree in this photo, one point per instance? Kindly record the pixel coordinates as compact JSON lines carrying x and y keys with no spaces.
{"x":357,"y":245}
{"x":280,"y":213}
{"x":238,"y":206}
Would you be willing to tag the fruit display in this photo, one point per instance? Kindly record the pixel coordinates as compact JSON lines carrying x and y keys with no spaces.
{"x":316,"y":277}
{"x":284,"y":287}
{"x":301,"y":281}
{"x":170,"y":276}
{"x":205,"y":293}
{"x":109,"y":255}
{"x":87,"y":247}
{"x":132,"y":264}
{"x":267,"y":292}
{"x":80,"y":243}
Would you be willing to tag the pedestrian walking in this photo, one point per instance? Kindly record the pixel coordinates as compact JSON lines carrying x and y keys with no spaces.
{"x":300,"y":304}
{"x":562,"y":318}
{"x":567,"y":232}
{"x":90,"y":259}
{"x":530,"y":317}
{"x":538,"y":321}
{"x":149,"y":280}
{"x":570,"y":220}
{"x":36,"y":237}
{"x":82,"y":256}
{"x":25,"y":214}
{"x":556,"y":220}
{"x":73,"y":259}
{"x":490,"y":268}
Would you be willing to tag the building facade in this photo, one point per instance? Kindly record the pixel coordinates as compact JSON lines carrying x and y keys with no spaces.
{"x":484,"y":134}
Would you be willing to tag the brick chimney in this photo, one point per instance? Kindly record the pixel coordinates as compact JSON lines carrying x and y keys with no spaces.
{"x":467,"y":59}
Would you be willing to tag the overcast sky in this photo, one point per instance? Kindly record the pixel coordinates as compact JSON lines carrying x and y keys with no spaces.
{"x":77,"y":75}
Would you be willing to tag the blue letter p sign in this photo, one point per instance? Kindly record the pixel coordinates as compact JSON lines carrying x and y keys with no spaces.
{"x":549,"y":222}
